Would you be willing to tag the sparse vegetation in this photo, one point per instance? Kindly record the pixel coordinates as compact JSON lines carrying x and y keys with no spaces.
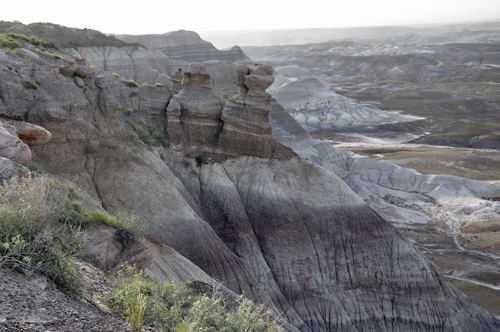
{"x":54,"y":55}
{"x":31,"y":85}
{"x":151,"y":133}
{"x":172,"y":307}
{"x":8,"y":42}
{"x":143,"y":135}
{"x":90,"y":149}
{"x":130,"y":83}
{"x":37,"y":232}
{"x":116,"y":75}
{"x":133,"y":94}
{"x":128,"y":112}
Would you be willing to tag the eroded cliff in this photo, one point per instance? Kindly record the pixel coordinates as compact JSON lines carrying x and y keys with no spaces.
{"x":249,"y":212}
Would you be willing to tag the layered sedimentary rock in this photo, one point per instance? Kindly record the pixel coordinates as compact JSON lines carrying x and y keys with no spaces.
{"x":194,"y":114}
{"x":30,"y":134}
{"x":246,"y":116}
{"x":186,"y":46}
{"x":287,"y":232}
{"x":312,"y":104}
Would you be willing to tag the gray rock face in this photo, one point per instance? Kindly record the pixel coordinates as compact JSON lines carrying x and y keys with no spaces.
{"x":11,"y":147}
{"x":194,"y":115}
{"x":246,"y":116}
{"x":131,"y":62}
{"x":316,"y":107}
{"x":186,"y":46}
{"x":425,"y":196}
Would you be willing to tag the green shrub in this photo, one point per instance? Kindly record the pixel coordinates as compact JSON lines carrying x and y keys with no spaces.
{"x":20,"y":53}
{"x":161,"y":137}
{"x":144,"y":84}
{"x":37,"y":234}
{"x":133,"y":94}
{"x":90,"y":149}
{"x":116,"y":75}
{"x":130,"y":83}
{"x":172,"y":307}
{"x":34,"y":167}
{"x":143,"y":135}
{"x":128,"y":112}
{"x":31,"y":85}
{"x":7,"y":43}
{"x":92,"y":67}
{"x":47,"y":44}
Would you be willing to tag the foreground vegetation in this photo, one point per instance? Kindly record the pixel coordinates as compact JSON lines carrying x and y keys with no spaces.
{"x":172,"y":307}
{"x":38,"y":233}
{"x":42,"y":228}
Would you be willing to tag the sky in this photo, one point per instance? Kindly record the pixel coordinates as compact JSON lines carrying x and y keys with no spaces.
{"x":141,"y":17}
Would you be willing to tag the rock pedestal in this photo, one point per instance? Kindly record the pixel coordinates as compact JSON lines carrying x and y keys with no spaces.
{"x":246,"y":116}
{"x":194,"y":113}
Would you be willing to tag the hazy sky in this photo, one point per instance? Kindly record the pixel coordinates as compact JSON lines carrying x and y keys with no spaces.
{"x":141,"y":17}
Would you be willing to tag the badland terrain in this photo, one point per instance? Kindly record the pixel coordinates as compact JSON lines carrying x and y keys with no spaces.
{"x":227,"y":158}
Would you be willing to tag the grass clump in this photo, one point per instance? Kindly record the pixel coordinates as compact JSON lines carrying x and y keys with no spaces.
{"x":130,"y":83}
{"x":116,"y":75}
{"x":37,"y":233}
{"x":54,"y":55}
{"x":32,"y":85}
{"x":8,"y":43}
{"x":172,"y":307}
{"x":133,"y":94}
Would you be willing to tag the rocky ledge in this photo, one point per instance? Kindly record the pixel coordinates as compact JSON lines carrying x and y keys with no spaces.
{"x":233,"y":126}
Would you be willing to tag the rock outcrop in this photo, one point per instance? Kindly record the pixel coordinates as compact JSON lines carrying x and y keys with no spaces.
{"x":194,"y":114}
{"x":312,"y":104}
{"x":11,"y":147}
{"x":246,"y":116}
{"x":287,"y":232}
{"x":186,"y":46}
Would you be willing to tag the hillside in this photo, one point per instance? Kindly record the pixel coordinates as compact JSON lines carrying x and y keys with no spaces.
{"x":241,"y":193}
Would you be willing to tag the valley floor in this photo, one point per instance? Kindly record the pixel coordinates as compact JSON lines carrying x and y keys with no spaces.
{"x":466,"y":259}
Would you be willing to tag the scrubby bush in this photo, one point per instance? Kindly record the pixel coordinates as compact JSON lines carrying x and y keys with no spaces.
{"x":116,"y":75}
{"x":8,"y":43}
{"x":37,"y":233}
{"x":172,"y":307}
{"x":31,"y":85}
{"x":133,"y":94}
{"x":143,"y":135}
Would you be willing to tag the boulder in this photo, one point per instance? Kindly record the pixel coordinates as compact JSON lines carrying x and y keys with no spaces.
{"x":79,"y":82}
{"x":176,"y":78}
{"x":11,"y":147}
{"x":29,"y":133}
